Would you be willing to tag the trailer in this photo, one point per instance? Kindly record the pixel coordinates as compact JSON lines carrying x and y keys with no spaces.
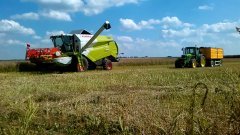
{"x":213,"y":56}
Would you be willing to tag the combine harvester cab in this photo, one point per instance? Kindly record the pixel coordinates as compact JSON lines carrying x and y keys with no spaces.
{"x":79,"y":50}
{"x":200,"y":57}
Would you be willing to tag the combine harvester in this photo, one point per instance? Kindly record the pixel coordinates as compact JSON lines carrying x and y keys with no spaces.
{"x":79,"y":51}
{"x":200,"y":57}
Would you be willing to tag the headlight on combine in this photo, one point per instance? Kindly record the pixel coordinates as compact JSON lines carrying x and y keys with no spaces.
{"x":58,"y":53}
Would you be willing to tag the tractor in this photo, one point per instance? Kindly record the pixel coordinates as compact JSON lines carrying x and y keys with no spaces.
{"x":200,"y":57}
{"x":79,"y":51}
{"x":191,"y":58}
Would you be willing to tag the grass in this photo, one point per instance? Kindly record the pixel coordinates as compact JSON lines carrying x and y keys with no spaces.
{"x":133,"y":98}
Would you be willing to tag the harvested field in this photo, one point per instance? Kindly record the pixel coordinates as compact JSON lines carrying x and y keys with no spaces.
{"x":139,"y":96}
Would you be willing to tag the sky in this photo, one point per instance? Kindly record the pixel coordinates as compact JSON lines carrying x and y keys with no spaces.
{"x":154,"y":28}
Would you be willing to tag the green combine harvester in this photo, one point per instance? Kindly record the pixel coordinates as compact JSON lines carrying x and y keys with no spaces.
{"x":79,"y":50}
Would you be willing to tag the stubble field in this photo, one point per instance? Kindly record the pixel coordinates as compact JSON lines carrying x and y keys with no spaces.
{"x":139,"y":96}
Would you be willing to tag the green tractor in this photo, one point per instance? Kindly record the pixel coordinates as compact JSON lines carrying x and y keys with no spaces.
{"x":191,"y":57}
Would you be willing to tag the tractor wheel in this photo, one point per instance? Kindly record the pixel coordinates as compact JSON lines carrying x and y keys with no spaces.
{"x":107,"y":64}
{"x":193,"y":63}
{"x":202,"y":62}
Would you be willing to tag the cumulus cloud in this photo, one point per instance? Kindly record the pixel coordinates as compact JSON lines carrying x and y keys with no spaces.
{"x":165,"y":22}
{"x":178,"y":33}
{"x":28,"y":16}
{"x":10,"y":26}
{"x":204,"y":30}
{"x":88,"y":7}
{"x":131,"y":25}
{"x":205,"y":7}
{"x":93,"y":7}
{"x":57,"y":15}
{"x":50,"y":33}
{"x":62,"y":5}
{"x":131,"y":46}
{"x":173,"y":22}
{"x":124,"y":39}
{"x":219,"y":27}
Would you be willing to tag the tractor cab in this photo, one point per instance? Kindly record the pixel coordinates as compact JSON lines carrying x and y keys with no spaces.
{"x":190,"y":52}
{"x":191,"y":58}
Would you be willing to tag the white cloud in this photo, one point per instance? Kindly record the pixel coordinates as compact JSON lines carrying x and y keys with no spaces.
{"x":165,"y":22}
{"x":10,"y":26}
{"x":219,"y":27}
{"x":131,"y":46}
{"x":178,"y":33}
{"x":205,"y":7}
{"x":173,"y":22}
{"x":88,"y":7}
{"x":57,"y":15}
{"x":93,"y":7}
{"x":125,"y":39}
{"x":50,"y":33}
{"x":129,"y":24}
{"x":28,"y":16}
{"x":61,"y":5}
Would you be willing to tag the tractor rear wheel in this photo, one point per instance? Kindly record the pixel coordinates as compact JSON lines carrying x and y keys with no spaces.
{"x":193,"y":63}
{"x":107,"y":64}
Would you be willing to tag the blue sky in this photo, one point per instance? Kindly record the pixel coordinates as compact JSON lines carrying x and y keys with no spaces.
{"x":155,"y":28}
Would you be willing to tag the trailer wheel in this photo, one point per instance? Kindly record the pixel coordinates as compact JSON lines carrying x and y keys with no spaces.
{"x":107,"y":64}
{"x":193,"y":63}
{"x":212,"y":63}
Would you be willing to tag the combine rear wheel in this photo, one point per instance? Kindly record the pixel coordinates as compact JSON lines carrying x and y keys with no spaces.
{"x":107,"y":64}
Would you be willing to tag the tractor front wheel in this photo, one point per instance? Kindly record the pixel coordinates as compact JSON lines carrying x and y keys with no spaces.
{"x":193,"y":63}
{"x":107,"y":64}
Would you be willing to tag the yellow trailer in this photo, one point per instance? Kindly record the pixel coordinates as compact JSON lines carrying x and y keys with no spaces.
{"x":213,"y":56}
